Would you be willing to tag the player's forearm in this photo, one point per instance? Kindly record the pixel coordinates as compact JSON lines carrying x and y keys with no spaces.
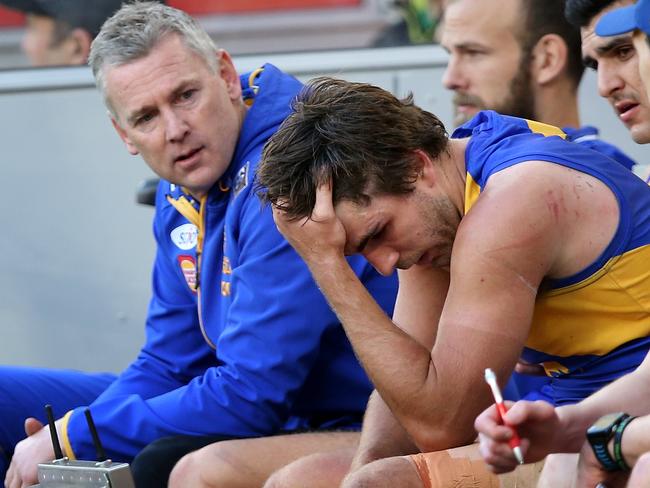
{"x":630,"y":394}
{"x":382,"y":435}
{"x":400,"y":367}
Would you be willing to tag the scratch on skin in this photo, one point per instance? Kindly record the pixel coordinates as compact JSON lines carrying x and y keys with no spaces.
{"x":527,"y":283}
{"x":553,"y":204}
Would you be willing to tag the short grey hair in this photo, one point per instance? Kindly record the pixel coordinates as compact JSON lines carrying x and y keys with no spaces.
{"x":135,"y":29}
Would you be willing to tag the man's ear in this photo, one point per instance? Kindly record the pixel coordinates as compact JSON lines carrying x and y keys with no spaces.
{"x":425,"y":167}
{"x":125,"y":138}
{"x":549,"y":59}
{"x":80,"y":45}
{"x":229,"y":75}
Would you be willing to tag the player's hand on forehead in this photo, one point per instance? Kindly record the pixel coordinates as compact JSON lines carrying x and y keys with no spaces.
{"x":319,"y":237}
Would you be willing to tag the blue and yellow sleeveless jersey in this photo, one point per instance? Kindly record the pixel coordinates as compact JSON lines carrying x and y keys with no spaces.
{"x":590,"y":328}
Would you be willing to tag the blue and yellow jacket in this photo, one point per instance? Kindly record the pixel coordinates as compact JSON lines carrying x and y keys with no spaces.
{"x":593,"y":327}
{"x":239,"y":340}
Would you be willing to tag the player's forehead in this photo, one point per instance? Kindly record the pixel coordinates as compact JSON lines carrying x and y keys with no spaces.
{"x":480,"y":22}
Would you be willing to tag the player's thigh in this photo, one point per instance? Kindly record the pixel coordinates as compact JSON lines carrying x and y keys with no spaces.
{"x":559,"y":471}
{"x":249,"y":462}
{"x":318,"y":470}
{"x":640,"y":476}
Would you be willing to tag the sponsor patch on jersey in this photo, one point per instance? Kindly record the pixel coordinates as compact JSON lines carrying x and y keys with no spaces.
{"x":188,"y":268}
{"x":241,"y":180}
{"x":184,"y":236}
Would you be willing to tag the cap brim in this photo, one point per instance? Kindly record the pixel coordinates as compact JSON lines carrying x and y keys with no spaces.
{"x":28,"y":6}
{"x":617,"y":22}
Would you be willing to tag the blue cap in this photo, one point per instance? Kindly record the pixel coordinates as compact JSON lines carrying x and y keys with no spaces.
{"x":625,"y":19}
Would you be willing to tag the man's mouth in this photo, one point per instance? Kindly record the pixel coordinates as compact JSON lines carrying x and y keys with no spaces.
{"x":626,"y":110}
{"x":466,"y":108}
{"x":188,"y":155}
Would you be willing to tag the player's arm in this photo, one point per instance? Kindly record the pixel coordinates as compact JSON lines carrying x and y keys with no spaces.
{"x":630,"y":394}
{"x":421,"y":296}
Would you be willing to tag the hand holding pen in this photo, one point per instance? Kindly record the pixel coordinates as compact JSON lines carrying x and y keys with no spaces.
{"x":515,"y":442}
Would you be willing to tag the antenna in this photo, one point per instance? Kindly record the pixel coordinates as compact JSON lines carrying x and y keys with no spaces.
{"x":58,"y":454}
{"x":101,"y":454}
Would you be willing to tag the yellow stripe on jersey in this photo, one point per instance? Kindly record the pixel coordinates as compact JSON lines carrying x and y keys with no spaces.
{"x":472,"y":192}
{"x":545,"y":129}
{"x":598,"y":314}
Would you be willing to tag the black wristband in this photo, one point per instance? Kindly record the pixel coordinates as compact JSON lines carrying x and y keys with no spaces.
{"x":618,"y":449}
{"x":600,"y":434}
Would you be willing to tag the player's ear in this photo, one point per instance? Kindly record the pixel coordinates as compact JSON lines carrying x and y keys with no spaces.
{"x":549,"y":58}
{"x":425,"y":166}
{"x":81,"y":41}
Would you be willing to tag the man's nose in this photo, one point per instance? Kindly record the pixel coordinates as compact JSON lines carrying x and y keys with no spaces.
{"x":383,"y":260}
{"x":453,"y":78}
{"x":609,"y":80}
{"x":175,"y":127}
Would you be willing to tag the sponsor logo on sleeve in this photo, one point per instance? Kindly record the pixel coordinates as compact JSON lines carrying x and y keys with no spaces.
{"x":184,"y":236}
{"x":188,"y":268}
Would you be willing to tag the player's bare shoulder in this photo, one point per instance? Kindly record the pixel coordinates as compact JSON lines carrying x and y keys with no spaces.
{"x":547,"y":206}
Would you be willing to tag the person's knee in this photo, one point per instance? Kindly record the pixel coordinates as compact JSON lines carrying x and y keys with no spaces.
{"x":280,"y":479}
{"x":317,"y":470}
{"x":640,"y":476}
{"x":559,"y":471}
{"x":186,"y":469}
{"x":362,"y":478}
{"x":214,"y":465}
{"x":385,"y":473}
{"x":296,"y":474}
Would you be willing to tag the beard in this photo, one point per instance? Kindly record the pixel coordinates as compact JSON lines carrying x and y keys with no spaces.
{"x":440,"y":220}
{"x":519,"y":101}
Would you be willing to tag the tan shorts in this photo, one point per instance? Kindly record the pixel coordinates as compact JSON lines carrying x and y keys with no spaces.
{"x":441,"y":470}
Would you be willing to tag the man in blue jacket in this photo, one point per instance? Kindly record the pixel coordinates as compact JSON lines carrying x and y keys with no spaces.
{"x":240,"y":342}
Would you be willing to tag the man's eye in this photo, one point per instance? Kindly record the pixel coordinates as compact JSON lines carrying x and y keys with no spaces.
{"x":377,"y":234}
{"x":625,"y":52}
{"x":143,"y":119}
{"x":187,"y":94}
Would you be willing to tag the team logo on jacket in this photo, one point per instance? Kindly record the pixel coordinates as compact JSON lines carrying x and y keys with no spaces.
{"x":184,"y":236}
{"x":188,"y":268}
{"x":241,"y":180}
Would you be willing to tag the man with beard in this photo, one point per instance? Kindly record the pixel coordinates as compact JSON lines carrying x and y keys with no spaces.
{"x":510,"y":241}
{"x":530,"y":69}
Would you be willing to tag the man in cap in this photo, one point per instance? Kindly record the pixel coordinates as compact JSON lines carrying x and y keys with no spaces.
{"x":59,"y":32}
{"x":633,"y":19}
{"x":615,"y":61}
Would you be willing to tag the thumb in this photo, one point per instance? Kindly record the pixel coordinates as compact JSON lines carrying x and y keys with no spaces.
{"x":32,"y":426}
